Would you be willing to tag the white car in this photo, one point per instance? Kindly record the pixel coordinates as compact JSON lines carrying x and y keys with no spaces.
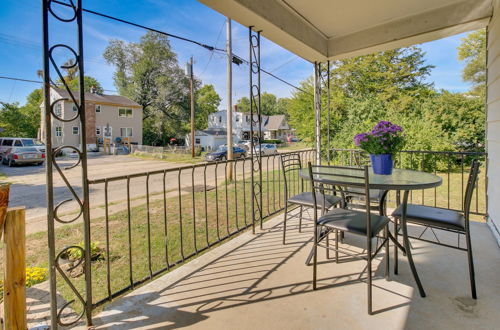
{"x":266,"y":149}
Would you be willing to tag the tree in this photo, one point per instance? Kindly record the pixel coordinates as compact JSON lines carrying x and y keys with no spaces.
{"x":270,"y":104}
{"x":148,"y":72}
{"x":12,"y":120}
{"x":89,"y":82}
{"x":472,"y":50}
{"x":207,"y":101}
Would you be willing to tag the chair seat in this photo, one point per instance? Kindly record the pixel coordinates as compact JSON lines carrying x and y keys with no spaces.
{"x":306,"y":199}
{"x":432,"y":216}
{"x":375,"y":194}
{"x":352,"y":221}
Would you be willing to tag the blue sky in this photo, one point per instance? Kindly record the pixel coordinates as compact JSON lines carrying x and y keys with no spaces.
{"x":20,"y":51}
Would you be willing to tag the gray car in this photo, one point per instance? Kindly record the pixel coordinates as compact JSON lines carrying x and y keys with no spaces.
{"x":23,"y":155}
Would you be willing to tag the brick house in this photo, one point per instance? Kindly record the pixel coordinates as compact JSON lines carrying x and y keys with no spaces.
{"x":112,"y":116}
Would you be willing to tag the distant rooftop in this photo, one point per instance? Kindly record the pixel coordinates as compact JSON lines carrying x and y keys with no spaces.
{"x":101,"y":98}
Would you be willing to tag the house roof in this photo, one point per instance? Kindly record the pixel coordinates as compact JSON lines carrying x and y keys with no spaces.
{"x":318,"y":30}
{"x":212,"y":131}
{"x":275,"y":122}
{"x":101,"y":98}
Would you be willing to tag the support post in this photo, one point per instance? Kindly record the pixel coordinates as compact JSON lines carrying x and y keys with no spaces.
{"x":317,"y":109}
{"x":229,"y":131}
{"x":191,"y":87}
{"x":15,"y":270}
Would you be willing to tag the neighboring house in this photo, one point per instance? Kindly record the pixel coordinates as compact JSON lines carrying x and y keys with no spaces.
{"x":277,"y":128}
{"x":111,"y":116}
{"x":273,"y":127}
{"x":209,"y":139}
{"x":241,"y":123}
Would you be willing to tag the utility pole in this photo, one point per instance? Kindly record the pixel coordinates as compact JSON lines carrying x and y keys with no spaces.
{"x":229,"y":131}
{"x":191,"y":83}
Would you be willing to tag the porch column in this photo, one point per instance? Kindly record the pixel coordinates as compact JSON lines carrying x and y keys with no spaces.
{"x":317,"y":110}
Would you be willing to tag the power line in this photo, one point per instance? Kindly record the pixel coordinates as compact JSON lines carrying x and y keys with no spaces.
{"x":210,"y":48}
{"x":41,"y":82}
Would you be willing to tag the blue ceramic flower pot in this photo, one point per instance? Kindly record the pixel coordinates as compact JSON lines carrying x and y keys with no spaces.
{"x":382,"y":164}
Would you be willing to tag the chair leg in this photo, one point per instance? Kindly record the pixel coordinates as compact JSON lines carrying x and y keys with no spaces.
{"x":369,"y":276}
{"x":328,"y":245}
{"x":387,"y":259}
{"x":315,"y":255}
{"x":471,"y":266}
{"x":300,"y":219}
{"x":284,"y":222}
{"x":336,"y":246}
{"x":395,"y":246}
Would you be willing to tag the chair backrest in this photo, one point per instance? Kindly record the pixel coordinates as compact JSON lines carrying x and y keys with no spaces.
{"x":471,"y":184}
{"x":342,"y":180}
{"x":290,"y":166}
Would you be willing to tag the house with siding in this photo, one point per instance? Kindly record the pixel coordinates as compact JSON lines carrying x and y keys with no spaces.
{"x":107,"y":116}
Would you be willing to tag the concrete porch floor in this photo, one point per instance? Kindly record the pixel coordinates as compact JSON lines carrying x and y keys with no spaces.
{"x":253,"y":281}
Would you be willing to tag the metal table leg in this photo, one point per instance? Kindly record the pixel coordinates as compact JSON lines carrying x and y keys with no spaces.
{"x":406,"y":241}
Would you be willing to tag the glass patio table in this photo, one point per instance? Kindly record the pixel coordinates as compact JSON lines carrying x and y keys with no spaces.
{"x":399,"y":180}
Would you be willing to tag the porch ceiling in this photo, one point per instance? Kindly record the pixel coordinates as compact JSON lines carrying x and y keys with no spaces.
{"x":318,"y":30}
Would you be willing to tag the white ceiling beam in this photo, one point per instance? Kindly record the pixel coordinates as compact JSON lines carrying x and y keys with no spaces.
{"x":277,"y":24}
{"x":439,"y":23}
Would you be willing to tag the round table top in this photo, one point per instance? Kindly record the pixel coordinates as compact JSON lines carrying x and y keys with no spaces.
{"x":399,"y":179}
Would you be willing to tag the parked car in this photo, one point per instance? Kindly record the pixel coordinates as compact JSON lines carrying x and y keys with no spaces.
{"x":221,"y":154}
{"x":8,"y":142}
{"x":23,"y":155}
{"x":266,"y":149}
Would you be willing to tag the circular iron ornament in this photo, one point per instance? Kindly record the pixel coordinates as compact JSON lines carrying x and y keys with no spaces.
{"x":62,"y":19}
{"x":70,"y":284}
{"x":56,"y":67}
{"x":56,"y":116}
{"x":256,"y":164}
{"x":68,"y":185}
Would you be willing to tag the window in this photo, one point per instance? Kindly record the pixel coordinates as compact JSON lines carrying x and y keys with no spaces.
{"x":58,"y":131}
{"x":237,"y":118}
{"x":197,"y":141}
{"x":58,"y":109}
{"x":246,"y":119}
{"x":98,"y":130}
{"x":126,"y":113}
{"x":126,"y":131}
{"x":75,"y":108}
{"x":18,"y":143}
{"x":75,"y":130}
{"x":97,"y":108}
{"x":220,"y":119}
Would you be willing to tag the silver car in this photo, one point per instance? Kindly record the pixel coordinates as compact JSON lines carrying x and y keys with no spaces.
{"x":266,"y":149}
{"x":23,"y":155}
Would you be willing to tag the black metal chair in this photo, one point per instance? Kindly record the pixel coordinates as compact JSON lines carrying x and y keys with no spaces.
{"x":358,"y":222}
{"x":294,"y":191}
{"x":446,"y":220}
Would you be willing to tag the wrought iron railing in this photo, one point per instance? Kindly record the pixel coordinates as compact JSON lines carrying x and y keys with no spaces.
{"x":154,"y":221}
{"x":452,"y":166}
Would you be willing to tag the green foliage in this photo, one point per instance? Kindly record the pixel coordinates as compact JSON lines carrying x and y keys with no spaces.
{"x":207,"y":101}
{"x":95,"y":252}
{"x":88,"y":81}
{"x":472,"y":50}
{"x":270,"y":104}
{"x":390,"y":86}
{"x":148,"y":72}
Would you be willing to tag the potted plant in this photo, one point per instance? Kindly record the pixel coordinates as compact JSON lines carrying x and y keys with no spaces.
{"x":384,"y":140}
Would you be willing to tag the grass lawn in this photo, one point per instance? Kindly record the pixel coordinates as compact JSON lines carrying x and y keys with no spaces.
{"x":171,"y":157}
{"x":3,"y":177}
{"x":173,"y":234}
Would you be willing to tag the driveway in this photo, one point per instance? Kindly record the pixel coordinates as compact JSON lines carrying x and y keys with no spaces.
{"x":29,"y":189}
